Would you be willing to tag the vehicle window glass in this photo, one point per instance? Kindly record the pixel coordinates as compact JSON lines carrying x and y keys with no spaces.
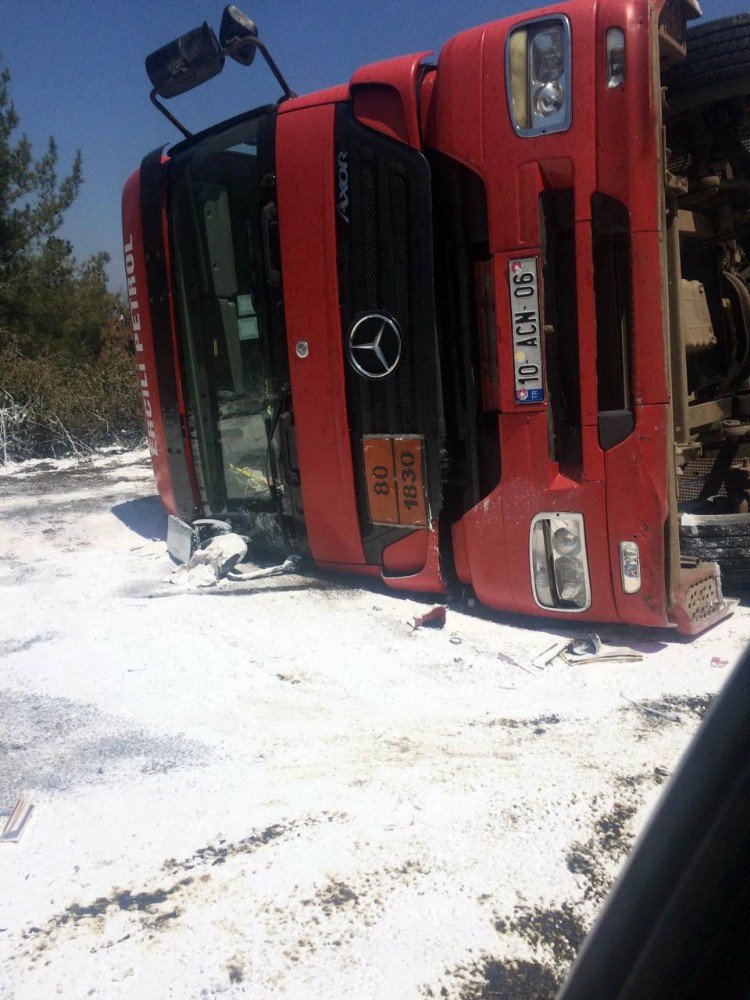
{"x":215,"y":210}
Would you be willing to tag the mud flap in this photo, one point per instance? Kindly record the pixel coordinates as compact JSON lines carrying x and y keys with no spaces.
{"x":699,"y":602}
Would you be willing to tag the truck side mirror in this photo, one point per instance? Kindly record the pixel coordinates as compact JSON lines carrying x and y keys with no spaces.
{"x":236,"y":26}
{"x":185,"y":62}
{"x":196,"y":56}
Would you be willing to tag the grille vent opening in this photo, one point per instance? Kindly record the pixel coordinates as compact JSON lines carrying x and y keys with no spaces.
{"x":561,"y":322}
{"x":614,"y":308}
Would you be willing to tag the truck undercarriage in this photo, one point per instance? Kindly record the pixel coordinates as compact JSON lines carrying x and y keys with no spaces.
{"x":707,"y":121}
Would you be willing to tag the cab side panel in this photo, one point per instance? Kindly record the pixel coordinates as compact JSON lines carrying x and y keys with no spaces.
{"x":149,"y":296}
{"x":307,"y":223}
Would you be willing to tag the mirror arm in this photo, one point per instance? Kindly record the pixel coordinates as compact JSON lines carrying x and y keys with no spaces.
{"x":236,"y":46}
{"x":241,"y":43}
{"x":168,"y":114}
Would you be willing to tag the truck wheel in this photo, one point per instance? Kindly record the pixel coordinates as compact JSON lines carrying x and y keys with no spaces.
{"x":717,"y":66}
{"x":721,"y":538}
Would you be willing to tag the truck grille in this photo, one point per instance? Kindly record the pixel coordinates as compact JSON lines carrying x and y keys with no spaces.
{"x":384,"y":258}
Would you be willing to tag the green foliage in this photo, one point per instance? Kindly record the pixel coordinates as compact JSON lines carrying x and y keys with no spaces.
{"x":67,"y":376}
{"x":49,"y":302}
{"x":32,"y":200}
{"x":61,"y":306}
{"x":54,"y":406}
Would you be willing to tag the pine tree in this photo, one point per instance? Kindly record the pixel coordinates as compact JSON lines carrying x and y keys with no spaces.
{"x":32,"y":199}
{"x":67,"y":378}
{"x":50,"y":303}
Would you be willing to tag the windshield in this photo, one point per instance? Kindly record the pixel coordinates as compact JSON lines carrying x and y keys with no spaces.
{"x":216,"y":239}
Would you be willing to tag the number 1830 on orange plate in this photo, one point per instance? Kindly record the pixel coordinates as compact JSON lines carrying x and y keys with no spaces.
{"x":395,"y":480}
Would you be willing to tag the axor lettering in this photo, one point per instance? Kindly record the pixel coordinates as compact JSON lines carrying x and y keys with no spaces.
{"x":342,"y":205}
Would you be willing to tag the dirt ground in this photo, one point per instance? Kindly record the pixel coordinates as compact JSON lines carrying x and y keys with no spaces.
{"x":279,"y":789}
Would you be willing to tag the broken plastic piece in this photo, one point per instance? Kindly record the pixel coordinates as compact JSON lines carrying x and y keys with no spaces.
{"x":432,"y":619}
{"x":584,"y":645}
{"x":504,"y":658}
{"x":206,"y":566}
{"x":551,"y":653}
{"x":17,"y":820}
{"x":611,"y":654}
{"x":290,"y":565}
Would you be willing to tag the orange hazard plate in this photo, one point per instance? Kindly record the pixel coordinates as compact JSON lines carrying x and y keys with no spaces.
{"x":395,"y":480}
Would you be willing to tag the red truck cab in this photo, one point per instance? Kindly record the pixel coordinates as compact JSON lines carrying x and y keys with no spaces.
{"x":422,"y":326}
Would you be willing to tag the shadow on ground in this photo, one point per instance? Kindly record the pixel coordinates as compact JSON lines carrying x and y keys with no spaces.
{"x":145,"y":516}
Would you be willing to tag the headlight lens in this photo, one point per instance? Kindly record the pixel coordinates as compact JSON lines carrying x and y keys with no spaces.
{"x":538,"y":76}
{"x":547,"y":54}
{"x":559,"y":568}
{"x":549,"y":99}
{"x":518,"y":73}
{"x":566,"y":542}
{"x":570,"y":578}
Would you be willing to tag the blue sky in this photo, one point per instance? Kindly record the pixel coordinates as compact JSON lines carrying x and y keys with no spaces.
{"x":77,"y":72}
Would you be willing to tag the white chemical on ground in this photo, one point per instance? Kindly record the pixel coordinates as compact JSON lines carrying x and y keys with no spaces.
{"x":277,"y":789}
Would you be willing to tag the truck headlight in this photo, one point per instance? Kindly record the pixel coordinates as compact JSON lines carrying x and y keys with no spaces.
{"x":559,"y":567}
{"x":537,"y":73}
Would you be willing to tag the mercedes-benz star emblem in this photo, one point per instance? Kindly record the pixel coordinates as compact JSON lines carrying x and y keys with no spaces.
{"x":374,"y":346}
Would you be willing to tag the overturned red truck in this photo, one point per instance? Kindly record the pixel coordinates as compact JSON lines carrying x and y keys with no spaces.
{"x":484,"y":319}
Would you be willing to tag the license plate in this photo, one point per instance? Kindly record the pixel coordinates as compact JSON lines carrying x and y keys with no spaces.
{"x":395,"y":480}
{"x":527,"y":330}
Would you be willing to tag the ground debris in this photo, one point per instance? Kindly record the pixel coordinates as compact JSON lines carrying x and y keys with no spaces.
{"x":651,"y":710}
{"x":597,"y":858}
{"x":240,"y":572}
{"x":672,"y":707}
{"x":589,"y":649}
{"x":208,"y":565}
{"x":435,"y":618}
{"x":538,"y":724}
{"x":514,"y":980}
{"x":559,"y":929}
{"x":148,"y":901}
{"x":18,"y":818}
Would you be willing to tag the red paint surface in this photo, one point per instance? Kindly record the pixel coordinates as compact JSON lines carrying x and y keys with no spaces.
{"x":329,"y":96}
{"x":611,"y":147}
{"x":407,"y":555}
{"x":181,"y":401}
{"x":421,"y":548}
{"x":385,"y":97}
{"x":307,"y":223}
{"x":142,"y":334}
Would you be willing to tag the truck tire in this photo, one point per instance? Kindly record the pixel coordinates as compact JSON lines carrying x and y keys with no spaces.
{"x":721,"y":538}
{"x":717,"y":66}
